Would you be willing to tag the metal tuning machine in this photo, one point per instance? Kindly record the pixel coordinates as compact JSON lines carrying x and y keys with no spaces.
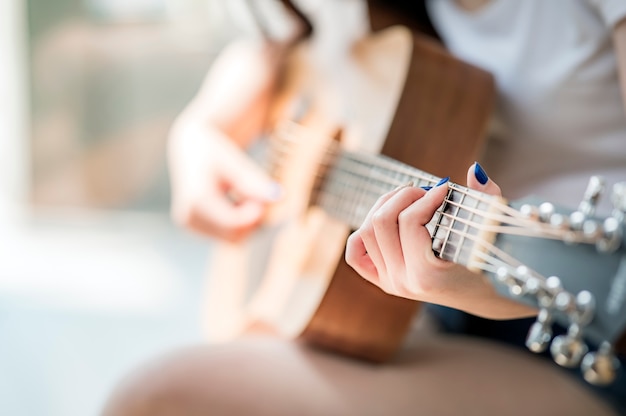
{"x":600,"y":368}
{"x":606,"y":235}
{"x":568,"y":350}
{"x":612,"y":228}
{"x":594,"y":190}
{"x":540,"y":333}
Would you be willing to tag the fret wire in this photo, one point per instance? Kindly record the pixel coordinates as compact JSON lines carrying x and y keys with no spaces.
{"x":505,"y":217}
{"x":360,"y":187}
{"x":385,"y":165}
{"x":365,"y":175}
{"x":465,"y":248}
{"x":381,"y":185}
{"x":518,"y":224}
{"x":333,"y":202}
{"x":374,"y":173}
{"x":443,"y":208}
{"x":343,"y":201}
{"x":421,"y":180}
{"x":462,"y":238}
{"x":500,"y":254}
{"x":384,"y":184}
{"x":361,"y":203}
{"x":377,"y":160}
{"x":391,"y":165}
{"x":375,"y":178}
{"x":421,"y":177}
{"x":513,"y":230}
{"x":290,"y":132}
{"x":466,"y":227}
{"x":346,"y":177}
{"x":340,"y":195}
{"x":355,"y":222}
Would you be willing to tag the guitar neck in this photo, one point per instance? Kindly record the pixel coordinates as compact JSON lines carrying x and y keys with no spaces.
{"x":354,"y":181}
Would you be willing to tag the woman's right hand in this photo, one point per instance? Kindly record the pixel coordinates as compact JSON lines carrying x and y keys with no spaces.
{"x":217,"y":189}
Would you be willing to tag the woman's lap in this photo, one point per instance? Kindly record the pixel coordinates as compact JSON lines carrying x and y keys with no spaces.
{"x":439,"y":375}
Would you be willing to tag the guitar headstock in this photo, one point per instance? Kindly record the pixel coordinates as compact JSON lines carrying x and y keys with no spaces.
{"x":572,"y":267}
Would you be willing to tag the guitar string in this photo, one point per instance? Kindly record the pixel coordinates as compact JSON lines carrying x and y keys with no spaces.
{"x":544,"y":232}
{"x":379,"y":161}
{"x":463,"y":190}
{"x":514,"y":225}
{"x":412,"y":173}
{"x":529,"y":227}
{"x":487,"y":249}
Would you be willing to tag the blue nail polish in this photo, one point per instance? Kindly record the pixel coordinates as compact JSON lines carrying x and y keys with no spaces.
{"x":444,"y":180}
{"x":480,"y":174}
{"x":426,"y":188}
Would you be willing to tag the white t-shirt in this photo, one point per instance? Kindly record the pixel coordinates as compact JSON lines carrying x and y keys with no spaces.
{"x":560,"y":116}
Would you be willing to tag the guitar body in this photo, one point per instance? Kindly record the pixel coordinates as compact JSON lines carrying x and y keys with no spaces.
{"x":408,"y":99}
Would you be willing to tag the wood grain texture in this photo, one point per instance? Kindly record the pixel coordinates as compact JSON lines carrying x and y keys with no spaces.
{"x":439,"y":127}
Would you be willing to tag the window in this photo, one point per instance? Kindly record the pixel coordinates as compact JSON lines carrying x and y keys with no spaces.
{"x":107,"y":77}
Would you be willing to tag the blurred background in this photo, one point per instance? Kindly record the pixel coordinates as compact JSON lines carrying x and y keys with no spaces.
{"x":94,"y":279}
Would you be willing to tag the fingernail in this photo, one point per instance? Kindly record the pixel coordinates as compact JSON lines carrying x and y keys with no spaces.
{"x":406,"y":185}
{"x":444,"y":180}
{"x":480,"y":174}
{"x":426,"y":188}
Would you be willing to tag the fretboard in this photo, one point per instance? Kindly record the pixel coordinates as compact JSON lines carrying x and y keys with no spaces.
{"x":354,"y":181}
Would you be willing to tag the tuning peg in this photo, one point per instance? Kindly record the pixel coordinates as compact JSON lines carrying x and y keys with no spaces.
{"x":611,"y":232}
{"x":600,"y":367}
{"x":611,"y":235}
{"x":568,"y":350}
{"x":618,"y":198}
{"x":546,"y":211}
{"x":529,"y":211}
{"x":540,"y":332}
{"x":560,"y":221}
{"x":513,"y":282}
{"x":552,"y":287}
{"x":585,"y":308}
{"x":595,"y":187}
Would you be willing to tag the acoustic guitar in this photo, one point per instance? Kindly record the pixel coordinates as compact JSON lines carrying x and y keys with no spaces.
{"x":411,"y":101}
{"x":568,"y":264}
{"x":290,"y":278}
{"x":571,"y":266}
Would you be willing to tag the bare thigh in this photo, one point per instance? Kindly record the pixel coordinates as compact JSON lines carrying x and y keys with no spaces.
{"x":265,"y":376}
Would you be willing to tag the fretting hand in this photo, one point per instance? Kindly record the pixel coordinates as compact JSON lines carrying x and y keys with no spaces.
{"x":393,"y":250}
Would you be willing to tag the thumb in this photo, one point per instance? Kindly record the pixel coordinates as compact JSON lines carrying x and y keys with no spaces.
{"x":477,"y":179}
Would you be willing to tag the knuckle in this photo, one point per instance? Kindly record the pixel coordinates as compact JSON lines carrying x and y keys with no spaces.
{"x":352,"y":239}
{"x":367,"y":232}
{"x":380,"y":219}
{"x":405,"y":218}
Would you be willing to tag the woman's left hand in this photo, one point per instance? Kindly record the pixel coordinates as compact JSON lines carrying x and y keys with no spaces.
{"x":393,"y":250}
